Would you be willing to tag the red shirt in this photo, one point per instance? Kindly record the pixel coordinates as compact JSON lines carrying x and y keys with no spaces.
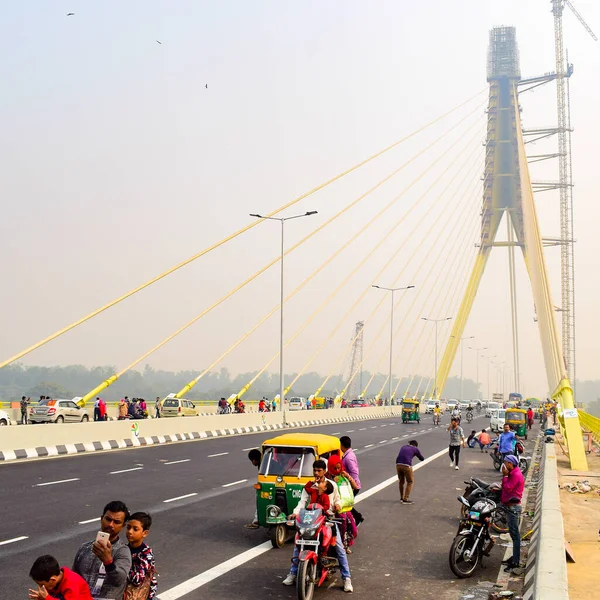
{"x":72,"y":587}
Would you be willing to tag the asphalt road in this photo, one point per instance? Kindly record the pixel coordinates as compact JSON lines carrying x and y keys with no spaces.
{"x":200,"y":495}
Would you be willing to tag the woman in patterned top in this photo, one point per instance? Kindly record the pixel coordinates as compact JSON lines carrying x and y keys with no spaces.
{"x":143,"y":571}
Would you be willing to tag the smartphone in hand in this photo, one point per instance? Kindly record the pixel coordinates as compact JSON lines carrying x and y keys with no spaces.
{"x":103,"y":537}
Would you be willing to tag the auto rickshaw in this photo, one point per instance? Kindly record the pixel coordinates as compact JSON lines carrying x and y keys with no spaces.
{"x":286,"y":467}
{"x":411,"y":411}
{"x":517,"y":419}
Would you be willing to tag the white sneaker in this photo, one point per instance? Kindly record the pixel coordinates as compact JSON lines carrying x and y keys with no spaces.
{"x":348,"y":585}
{"x":451,"y":464}
{"x":290,"y":579}
{"x":456,"y":468}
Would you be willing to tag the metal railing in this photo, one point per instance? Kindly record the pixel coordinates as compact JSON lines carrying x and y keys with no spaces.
{"x":591,"y":424}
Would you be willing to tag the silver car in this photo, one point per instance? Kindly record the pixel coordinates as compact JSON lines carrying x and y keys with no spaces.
{"x":58,"y":411}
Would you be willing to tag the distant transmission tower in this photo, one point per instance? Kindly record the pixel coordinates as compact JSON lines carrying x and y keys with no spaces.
{"x":356,"y":361}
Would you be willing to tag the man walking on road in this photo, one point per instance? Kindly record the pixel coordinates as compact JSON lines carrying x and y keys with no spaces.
{"x":405,"y":471}
{"x":511,"y":495}
{"x":157,"y":407}
{"x":457,"y":439}
{"x":105,"y":565}
{"x":350,"y":466}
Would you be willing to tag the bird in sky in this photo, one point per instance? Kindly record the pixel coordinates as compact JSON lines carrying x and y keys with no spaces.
{"x":159,"y":42}
{"x":206,"y":86}
{"x":70,"y":14}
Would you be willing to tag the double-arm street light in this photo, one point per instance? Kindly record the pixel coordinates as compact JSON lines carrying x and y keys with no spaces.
{"x":477,"y":350}
{"x":436,"y":321}
{"x":282,"y":220}
{"x":470,"y":337}
{"x":392,"y":290}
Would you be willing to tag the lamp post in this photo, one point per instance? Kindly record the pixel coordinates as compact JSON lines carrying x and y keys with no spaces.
{"x":478,"y":350}
{"x":461,"y":362}
{"x":436,"y":321}
{"x":488,"y":376}
{"x":282,"y":220}
{"x":392,"y":290}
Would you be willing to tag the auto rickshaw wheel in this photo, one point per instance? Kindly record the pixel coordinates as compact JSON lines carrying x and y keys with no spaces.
{"x":278,"y":535}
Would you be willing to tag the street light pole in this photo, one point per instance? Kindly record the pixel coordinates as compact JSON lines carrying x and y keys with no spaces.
{"x":461,"y":362}
{"x":477,"y":350}
{"x":392,"y":290}
{"x":282,"y":220}
{"x":436,"y":321}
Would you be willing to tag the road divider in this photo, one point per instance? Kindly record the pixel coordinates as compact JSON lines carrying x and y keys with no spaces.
{"x":40,"y":441}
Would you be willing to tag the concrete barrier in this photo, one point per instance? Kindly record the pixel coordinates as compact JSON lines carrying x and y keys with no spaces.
{"x":34,"y":441}
{"x":546,"y":577}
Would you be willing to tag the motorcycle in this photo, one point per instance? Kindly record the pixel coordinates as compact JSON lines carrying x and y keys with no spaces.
{"x":473,"y":540}
{"x":476,"y":490}
{"x":519,"y":451}
{"x":469,"y":416}
{"x":436,"y":419}
{"x":314,"y":537}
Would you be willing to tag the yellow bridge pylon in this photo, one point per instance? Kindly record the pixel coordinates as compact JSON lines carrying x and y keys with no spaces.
{"x":507,"y":190}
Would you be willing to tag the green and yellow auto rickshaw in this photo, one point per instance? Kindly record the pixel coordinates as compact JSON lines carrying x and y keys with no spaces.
{"x":411,"y":411}
{"x":286,"y":467}
{"x":517,"y":419}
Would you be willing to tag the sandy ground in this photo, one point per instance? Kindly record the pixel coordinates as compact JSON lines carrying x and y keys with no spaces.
{"x":581,"y":515}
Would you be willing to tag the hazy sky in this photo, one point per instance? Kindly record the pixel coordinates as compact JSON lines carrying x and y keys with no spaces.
{"x":117,"y":162}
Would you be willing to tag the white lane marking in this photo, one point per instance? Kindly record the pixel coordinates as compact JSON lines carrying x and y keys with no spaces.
{"x":11,"y":541}
{"x":253,"y":448}
{"x":368,"y":445}
{"x":383,"y":441}
{"x":234,"y":483}
{"x":362,"y":428}
{"x":351,"y":431}
{"x":395,"y":438}
{"x":181,"y":497}
{"x":176,"y":462}
{"x":55,"y":482}
{"x":126,"y":470}
{"x":335,"y":433}
{"x":233,"y":563}
{"x":405,"y":435}
{"x":218,"y":454}
{"x":221,"y":569}
{"x":374,"y":427}
{"x":383,"y":425}
{"x":89,"y":521}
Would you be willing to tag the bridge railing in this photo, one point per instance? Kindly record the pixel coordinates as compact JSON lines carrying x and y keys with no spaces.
{"x":590,"y":424}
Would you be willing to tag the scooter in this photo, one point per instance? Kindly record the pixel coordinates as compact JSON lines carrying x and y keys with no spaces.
{"x":314,"y":536}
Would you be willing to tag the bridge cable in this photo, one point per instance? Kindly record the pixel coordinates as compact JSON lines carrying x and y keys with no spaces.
{"x":229,"y":237}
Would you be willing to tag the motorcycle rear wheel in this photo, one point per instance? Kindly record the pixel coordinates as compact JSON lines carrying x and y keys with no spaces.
{"x":306,"y":580}
{"x":499,"y":522}
{"x":461,"y":566}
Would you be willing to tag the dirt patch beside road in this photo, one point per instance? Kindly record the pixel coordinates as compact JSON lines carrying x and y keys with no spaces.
{"x":581,"y":516}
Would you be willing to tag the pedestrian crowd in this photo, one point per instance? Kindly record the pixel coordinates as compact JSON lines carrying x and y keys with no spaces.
{"x":106,"y":568}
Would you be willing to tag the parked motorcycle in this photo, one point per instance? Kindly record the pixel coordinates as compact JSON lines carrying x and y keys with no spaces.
{"x":314,"y":537}
{"x":519,"y":451}
{"x":473,"y":540}
{"x":476,"y":490}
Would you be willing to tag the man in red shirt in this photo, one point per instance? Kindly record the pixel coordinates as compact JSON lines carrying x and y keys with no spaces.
{"x":513,"y":484}
{"x":51,"y":578}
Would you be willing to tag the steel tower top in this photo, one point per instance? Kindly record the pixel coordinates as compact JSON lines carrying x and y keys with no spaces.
{"x":503,"y":54}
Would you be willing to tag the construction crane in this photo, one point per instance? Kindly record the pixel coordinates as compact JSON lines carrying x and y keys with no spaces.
{"x":566,"y":184}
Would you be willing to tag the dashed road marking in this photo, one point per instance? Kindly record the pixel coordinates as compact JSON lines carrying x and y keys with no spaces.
{"x":217,"y":454}
{"x":362,"y":428}
{"x":126,"y":470}
{"x":351,"y":431}
{"x":176,"y":462}
{"x":181,"y":497}
{"x":89,"y":521}
{"x":383,"y":441}
{"x":234,"y":483}
{"x":56,"y":482}
{"x":13,"y":540}
{"x":368,"y":445}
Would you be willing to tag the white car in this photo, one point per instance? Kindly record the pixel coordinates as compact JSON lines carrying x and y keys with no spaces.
{"x":429,"y":406}
{"x":4,"y":418}
{"x":451,"y":405}
{"x":497,"y":419}
{"x":464,"y":405}
{"x":297,"y":403}
{"x":490,"y":406}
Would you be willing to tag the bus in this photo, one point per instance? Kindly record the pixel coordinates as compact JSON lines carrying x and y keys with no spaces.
{"x":515,"y":397}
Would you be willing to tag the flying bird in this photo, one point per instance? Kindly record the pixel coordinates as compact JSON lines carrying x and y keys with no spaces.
{"x":159,"y":42}
{"x":70,"y":14}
